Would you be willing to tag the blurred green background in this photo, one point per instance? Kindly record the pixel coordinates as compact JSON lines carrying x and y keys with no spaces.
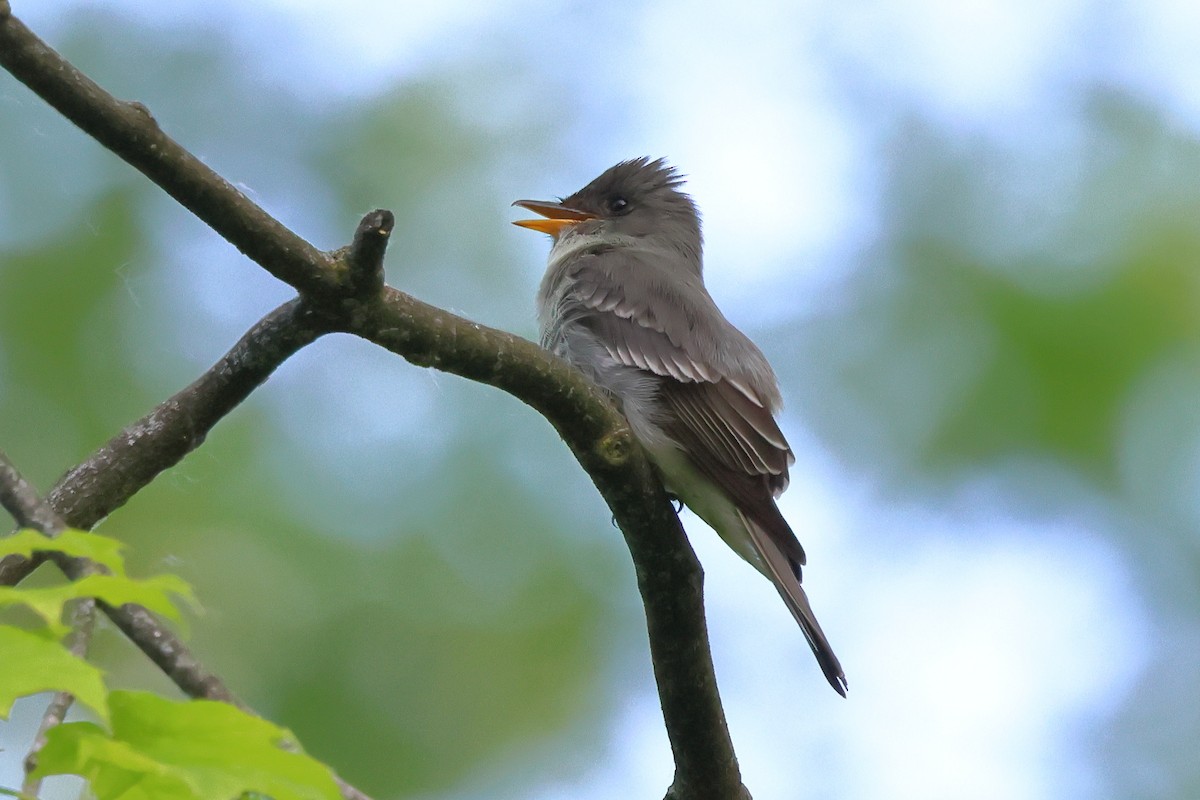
{"x":967,"y":238}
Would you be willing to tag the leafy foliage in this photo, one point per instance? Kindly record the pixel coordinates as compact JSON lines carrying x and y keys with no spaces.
{"x":100,"y":550}
{"x":151,"y":747}
{"x":34,"y":664}
{"x":116,"y":589}
{"x":192,"y":750}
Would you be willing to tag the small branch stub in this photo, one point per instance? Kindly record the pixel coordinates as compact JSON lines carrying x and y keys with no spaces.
{"x":616,"y":447}
{"x":364,"y":256}
{"x":141,"y":108}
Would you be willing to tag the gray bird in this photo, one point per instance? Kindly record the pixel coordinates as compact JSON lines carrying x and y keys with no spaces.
{"x":623,"y":300}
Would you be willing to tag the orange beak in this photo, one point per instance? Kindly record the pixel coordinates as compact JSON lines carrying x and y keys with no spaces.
{"x":558,"y":217}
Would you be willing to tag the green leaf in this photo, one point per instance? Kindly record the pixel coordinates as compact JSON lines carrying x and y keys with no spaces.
{"x":197,"y":749}
{"x":33,"y":664}
{"x":113,"y":768}
{"x":153,"y":593}
{"x":71,"y":542}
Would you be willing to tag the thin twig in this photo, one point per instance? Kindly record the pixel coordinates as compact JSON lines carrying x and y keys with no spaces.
{"x":20,"y":499}
{"x":161,"y":645}
{"x":83,"y":622}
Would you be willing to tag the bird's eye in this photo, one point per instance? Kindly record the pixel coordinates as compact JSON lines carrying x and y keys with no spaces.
{"x":618,"y":204}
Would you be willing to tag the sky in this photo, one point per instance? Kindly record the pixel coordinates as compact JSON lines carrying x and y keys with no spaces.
{"x":960,"y":683}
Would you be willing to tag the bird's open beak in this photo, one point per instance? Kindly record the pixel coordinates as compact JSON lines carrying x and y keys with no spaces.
{"x":558,"y":217}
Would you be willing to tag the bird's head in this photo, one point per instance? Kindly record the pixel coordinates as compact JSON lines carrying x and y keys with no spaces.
{"x":636,"y":199}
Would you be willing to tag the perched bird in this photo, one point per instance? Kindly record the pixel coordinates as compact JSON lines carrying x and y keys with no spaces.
{"x":623,"y":300}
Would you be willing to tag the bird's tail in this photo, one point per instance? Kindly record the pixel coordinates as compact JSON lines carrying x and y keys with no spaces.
{"x":786,"y":578}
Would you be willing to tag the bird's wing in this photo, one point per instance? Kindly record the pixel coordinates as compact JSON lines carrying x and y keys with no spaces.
{"x":726,"y":428}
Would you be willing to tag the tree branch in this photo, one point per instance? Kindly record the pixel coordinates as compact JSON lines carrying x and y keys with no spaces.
{"x":158,"y":441}
{"x":20,"y":499}
{"x":669,"y":576}
{"x":129,"y":130}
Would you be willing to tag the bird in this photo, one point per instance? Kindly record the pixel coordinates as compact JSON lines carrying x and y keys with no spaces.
{"x":623,"y":300}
